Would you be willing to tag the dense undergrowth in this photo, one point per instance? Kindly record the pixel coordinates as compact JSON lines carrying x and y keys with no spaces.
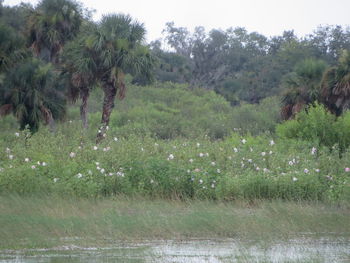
{"x":173,"y":143}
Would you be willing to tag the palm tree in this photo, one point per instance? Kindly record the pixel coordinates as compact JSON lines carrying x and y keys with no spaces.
{"x":31,"y":92}
{"x":52,"y":24}
{"x":113,"y":48}
{"x":302,"y":86}
{"x":336,"y":85}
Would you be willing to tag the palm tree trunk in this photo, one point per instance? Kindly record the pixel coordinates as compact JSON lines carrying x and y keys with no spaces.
{"x":84,"y":94}
{"x":110,"y":92}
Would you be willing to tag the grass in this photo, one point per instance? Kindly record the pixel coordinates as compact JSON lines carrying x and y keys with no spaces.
{"x":44,"y":222}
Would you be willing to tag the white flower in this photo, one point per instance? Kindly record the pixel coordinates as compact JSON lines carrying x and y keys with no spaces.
{"x":306,"y":171}
{"x":265,"y":170}
{"x":207,"y":154}
{"x":95,"y":148}
{"x":43,"y":164}
{"x":97,"y":163}
{"x":244,"y":141}
{"x":212,"y":185}
{"x":102,"y":171}
{"x":115,"y":139}
{"x":11,"y":156}
{"x":191,"y":160}
{"x":263,"y":153}
{"x":272,"y":142}
{"x":110,"y":174}
{"x":317,"y":170}
{"x":98,"y":168}
{"x":257,"y":168}
{"x":290,"y":163}
{"x":156,"y":144}
{"x":235,"y":150}
{"x":104,"y":135}
{"x":250,"y":160}
{"x":200,"y":181}
{"x":17,"y":134}
{"x":198,"y":144}
{"x":142,"y":149}
{"x":174,"y":147}
{"x":213,"y":163}
{"x":188,"y":171}
{"x":79,"y":147}
{"x":72,"y":155}
{"x":295,"y":179}
{"x":121,"y":174}
{"x":251,"y":149}
{"x":8,"y":150}
{"x":26,"y":160}
{"x":197,"y":170}
{"x":89,"y":172}
{"x":79,"y":175}
{"x":55,"y":180}
{"x":107,"y":128}
{"x":218,"y":171}
{"x":270,"y":152}
{"x":151,"y":181}
{"x":33,"y":167}
{"x":171,"y":157}
{"x":201,"y":154}
{"x":106,"y":149}
{"x":230,"y":157}
{"x":313,"y":150}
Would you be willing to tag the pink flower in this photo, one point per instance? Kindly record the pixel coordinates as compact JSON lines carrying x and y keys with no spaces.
{"x":347,"y":169}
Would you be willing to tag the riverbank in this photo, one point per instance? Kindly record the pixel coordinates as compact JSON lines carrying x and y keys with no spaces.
{"x":45,"y":222}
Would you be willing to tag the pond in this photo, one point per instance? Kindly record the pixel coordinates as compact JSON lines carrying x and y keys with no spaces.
{"x":174,"y":251}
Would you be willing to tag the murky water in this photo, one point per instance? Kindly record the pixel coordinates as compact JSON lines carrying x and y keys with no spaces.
{"x":208,"y":251}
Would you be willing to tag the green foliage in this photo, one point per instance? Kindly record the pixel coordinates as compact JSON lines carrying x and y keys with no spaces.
{"x":317,"y":125}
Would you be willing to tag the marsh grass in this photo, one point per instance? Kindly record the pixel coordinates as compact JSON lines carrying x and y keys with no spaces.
{"x":49,"y":221}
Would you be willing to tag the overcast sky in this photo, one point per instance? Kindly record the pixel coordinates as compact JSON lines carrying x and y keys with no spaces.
{"x":268,"y":17}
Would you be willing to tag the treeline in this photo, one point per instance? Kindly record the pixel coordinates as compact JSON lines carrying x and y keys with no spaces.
{"x":54,"y":53}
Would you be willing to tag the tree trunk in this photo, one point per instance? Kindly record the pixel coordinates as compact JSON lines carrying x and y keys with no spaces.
{"x":84,"y":94}
{"x":110,"y":92}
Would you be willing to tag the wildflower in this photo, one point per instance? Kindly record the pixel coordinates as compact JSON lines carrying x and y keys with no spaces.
{"x":200,"y":181}
{"x":270,"y":152}
{"x":106,"y":149}
{"x":251,"y":149}
{"x":79,"y":175}
{"x":142,"y":149}
{"x":317,"y":170}
{"x":26,"y":160}
{"x":72,"y":155}
{"x":110,"y":174}
{"x":197,"y":170}
{"x":265,"y":170}
{"x":121,"y":174}
{"x":97,"y":163}
{"x":212,"y":185}
{"x":235,"y":150}
{"x":1,"y":169}
{"x":244,"y":141}
{"x":156,"y":144}
{"x":95,"y":148}
{"x":207,"y":154}
{"x":89,"y":172}
{"x":8,"y":150}
{"x":102,"y":171}
{"x":107,"y":128}
{"x":79,"y":147}
{"x":329,"y":177}
{"x":17,"y":134}
{"x":263,"y":153}
{"x":98,"y":168}
{"x":115,"y":139}
{"x":306,"y":171}
{"x":272,"y":142}
{"x":257,"y":168}
{"x":250,"y":160}
{"x":11,"y":156}
{"x":198,"y":144}
{"x":171,"y":157}
{"x":55,"y":180}
{"x":213,"y":163}
{"x":104,"y":135}
{"x":44,"y":164}
{"x":151,"y":181}
{"x":174,"y":147}
{"x":188,"y":171}
{"x":230,"y":157}
{"x":218,"y":171}
{"x":347,"y":169}
{"x":313,"y":150}
{"x":295,"y":179}
{"x":191,"y":160}
{"x":290,"y":163}
{"x":201,"y":154}
{"x":33,"y":167}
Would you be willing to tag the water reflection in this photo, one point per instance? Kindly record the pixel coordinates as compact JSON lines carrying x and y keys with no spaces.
{"x":198,"y":251}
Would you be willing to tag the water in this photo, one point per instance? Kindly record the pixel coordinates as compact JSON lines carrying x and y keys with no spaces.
{"x":190,"y":251}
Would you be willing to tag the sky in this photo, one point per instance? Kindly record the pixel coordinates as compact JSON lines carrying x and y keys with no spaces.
{"x":267,"y":17}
